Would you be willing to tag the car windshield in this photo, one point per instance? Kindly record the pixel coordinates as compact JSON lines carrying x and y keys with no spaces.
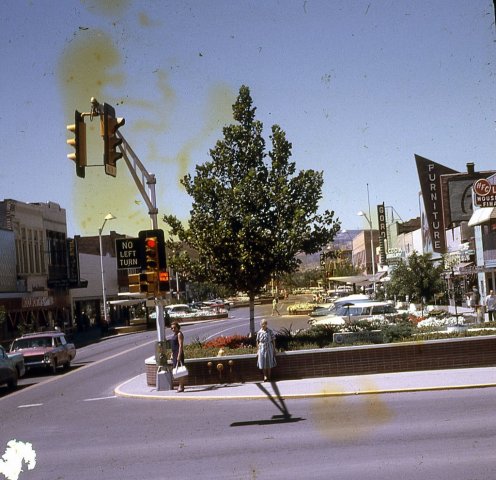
{"x":355,"y":310}
{"x":351,"y":311}
{"x":32,"y":343}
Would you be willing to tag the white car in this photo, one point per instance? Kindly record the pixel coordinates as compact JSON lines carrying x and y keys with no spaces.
{"x":348,"y":312}
{"x":330,"y":309}
{"x":180,"y":310}
{"x":218,"y":303}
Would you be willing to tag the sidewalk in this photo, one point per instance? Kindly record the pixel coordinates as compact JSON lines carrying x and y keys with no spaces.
{"x":321,"y":387}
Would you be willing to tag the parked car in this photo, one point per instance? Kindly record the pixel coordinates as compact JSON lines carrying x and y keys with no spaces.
{"x":48,"y":350}
{"x":353,"y":312}
{"x":218,"y":303}
{"x":331,"y":308}
{"x":180,"y":310}
{"x":11,"y":368}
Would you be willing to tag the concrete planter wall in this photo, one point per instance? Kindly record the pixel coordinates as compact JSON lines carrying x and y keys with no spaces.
{"x":328,"y":362}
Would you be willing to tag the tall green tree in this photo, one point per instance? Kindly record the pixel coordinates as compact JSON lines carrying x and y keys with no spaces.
{"x":251,"y":212}
{"x":419,"y":278}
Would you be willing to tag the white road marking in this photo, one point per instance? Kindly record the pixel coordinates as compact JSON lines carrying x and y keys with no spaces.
{"x":197,"y":326}
{"x":98,"y":398}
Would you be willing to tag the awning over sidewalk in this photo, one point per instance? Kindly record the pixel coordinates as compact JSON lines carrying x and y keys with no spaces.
{"x":359,"y":279}
{"x":482,"y":215}
{"x":127,"y":303}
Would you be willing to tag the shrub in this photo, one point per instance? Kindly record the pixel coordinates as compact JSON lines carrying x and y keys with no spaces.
{"x":194,"y":351}
{"x":317,"y":335}
{"x":363,"y":325}
{"x":401,"y":330}
{"x":233,"y":341}
{"x":284,"y":337}
{"x":320,"y":335}
{"x":300,"y":307}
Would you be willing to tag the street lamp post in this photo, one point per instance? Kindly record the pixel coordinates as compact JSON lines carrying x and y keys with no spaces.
{"x":363,"y":214}
{"x":109,"y":216}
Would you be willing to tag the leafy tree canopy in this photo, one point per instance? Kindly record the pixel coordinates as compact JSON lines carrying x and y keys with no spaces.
{"x":251,"y":212}
{"x":419,"y":278}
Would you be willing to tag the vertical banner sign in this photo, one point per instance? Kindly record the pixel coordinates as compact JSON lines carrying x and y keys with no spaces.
{"x":381,"y":217}
{"x":72,"y":262}
{"x":429,"y":173}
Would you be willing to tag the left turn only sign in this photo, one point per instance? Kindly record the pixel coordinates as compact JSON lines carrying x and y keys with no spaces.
{"x":128,"y":253}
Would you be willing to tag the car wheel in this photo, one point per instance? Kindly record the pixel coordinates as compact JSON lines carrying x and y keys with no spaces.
{"x":67,"y":365}
{"x":12,"y":383}
{"x":53,"y":368}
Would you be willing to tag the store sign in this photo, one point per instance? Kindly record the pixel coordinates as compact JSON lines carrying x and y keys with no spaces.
{"x":36,"y":302}
{"x":429,"y":173}
{"x":381,"y":217}
{"x":484,"y":193}
{"x":394,"y":256}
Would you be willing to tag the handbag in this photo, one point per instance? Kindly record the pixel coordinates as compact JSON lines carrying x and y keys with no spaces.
{"x":180,"y":371}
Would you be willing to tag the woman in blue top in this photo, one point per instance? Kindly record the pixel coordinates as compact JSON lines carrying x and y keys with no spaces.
{"x":266,"y":344}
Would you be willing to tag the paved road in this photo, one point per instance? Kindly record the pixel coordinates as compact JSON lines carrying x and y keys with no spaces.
{"x":80,"y":429}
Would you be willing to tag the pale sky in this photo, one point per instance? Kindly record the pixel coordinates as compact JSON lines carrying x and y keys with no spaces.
{"x":359,"y":87}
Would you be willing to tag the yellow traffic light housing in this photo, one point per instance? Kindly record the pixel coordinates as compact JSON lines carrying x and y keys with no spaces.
{"x":109,"y":124}
{"x":79,"y":144}
{"x":151,"y":282}
{"x":134,"y":281}
{"x":146,"y":282}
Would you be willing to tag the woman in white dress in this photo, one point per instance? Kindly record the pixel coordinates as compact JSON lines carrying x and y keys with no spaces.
{"x":266,"y":344}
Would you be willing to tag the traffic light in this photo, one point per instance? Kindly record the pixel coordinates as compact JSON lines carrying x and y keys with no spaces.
{"x":79,"y":143}
{"x":134,"y":281}
{"x":151,"y":254}
{"x":109,"y":125}
{"x":152,"y":259}
{"x":160,"y":248}
{"x":151,"y":279}
{"x":145,"y":282}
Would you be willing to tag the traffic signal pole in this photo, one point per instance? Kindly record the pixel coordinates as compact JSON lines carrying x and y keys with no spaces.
{"x":145,"y":182}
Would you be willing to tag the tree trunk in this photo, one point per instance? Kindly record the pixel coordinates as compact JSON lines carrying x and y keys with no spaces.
{"x":252,"y":314}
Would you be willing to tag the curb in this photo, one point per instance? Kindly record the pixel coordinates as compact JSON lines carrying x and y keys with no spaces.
{"x":295,"y":396}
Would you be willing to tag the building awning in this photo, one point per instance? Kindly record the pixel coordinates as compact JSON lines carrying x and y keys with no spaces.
{"x":482,"y":215}
{"x":359,"y":279}
{"x":127,"y":303}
